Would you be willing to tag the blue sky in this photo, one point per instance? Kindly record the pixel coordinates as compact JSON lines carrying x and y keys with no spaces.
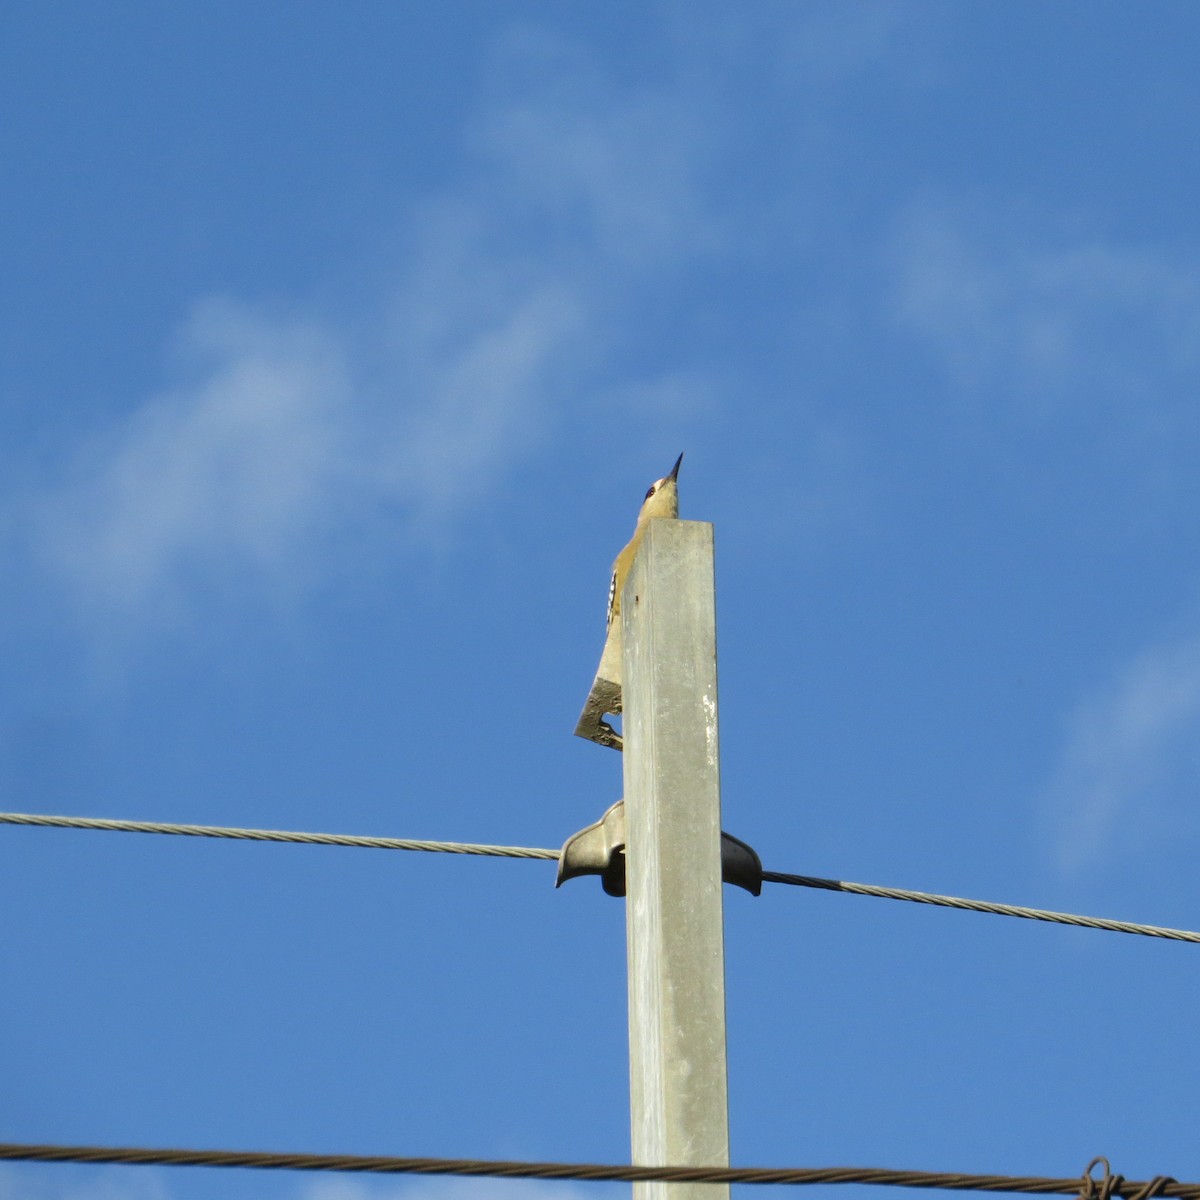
{"x":340,"y":343}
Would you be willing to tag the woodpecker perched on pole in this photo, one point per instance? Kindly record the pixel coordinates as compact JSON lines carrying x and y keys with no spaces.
{"x":662,"y":501}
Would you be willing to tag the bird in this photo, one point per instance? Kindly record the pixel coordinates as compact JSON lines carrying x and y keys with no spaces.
{"x":662,"y":501}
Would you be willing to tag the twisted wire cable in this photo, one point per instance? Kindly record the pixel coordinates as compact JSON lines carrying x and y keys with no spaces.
{"x":982,"y":906}
{"x":277,"y":835}
{"x":1085,"y":1186}
{"x":530,"y":852}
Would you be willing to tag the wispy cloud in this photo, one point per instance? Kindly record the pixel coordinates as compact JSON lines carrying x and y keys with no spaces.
{"x":283,"y":427}
{"x":282,"y":438}
{"x":344,"y":1187}
{"x":280,"y":428}
{"x":616,"y":175}
{"x":38,"y":1181}
{"x":810,"y":46}
{"x":1129,"y":770}
{"x":1009,"y":300}
{"x":233,"y":467}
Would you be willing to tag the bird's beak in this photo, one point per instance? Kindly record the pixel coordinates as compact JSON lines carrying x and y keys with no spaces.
{"x":675,"y":469}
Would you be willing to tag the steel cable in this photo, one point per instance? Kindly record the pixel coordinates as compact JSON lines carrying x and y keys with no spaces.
{"x":1084,"y":1186}
{"x":530,"y":852}
{"x":276,"y":835}
{"x":983,"y":906}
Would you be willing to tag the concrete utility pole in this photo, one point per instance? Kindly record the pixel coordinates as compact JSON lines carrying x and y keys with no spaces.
{"x":678,"y":1077}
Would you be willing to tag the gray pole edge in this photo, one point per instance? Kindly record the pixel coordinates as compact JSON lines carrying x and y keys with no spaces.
{"x":679,"y":1107}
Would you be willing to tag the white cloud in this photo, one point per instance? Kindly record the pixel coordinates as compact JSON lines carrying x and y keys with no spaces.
{"x":614,"y":172}
{"x":347,"y":1187}
{"x":42,"y":1181}
{"x":482,"y":407}
{"x":812,"y":45}
{"x":281,"y":433}
{"x":1129,"y":771}
{"x":829,"y":40}
{"x":286,"y":429}
{"x":1052,"y":317}
{"x":233,"y":467}
{"x":27,"y":1181}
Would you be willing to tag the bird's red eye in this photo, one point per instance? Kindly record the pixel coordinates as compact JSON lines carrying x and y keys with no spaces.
{"x":651,"y":491}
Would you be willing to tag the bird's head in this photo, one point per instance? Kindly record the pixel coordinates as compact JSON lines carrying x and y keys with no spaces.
{"x":662,"y":500}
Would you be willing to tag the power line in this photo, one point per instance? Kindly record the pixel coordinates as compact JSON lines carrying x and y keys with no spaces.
{"x":276,"y":835}
{"x":1086,"y":1186}
{"x":982,"y":906}
{"x":530,"y":852}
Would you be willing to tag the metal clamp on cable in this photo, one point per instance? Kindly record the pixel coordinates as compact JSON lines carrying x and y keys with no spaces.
{"x":1103,"y":1188}
{"x":1110,"y":1185}
{"x":600,"y":850}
